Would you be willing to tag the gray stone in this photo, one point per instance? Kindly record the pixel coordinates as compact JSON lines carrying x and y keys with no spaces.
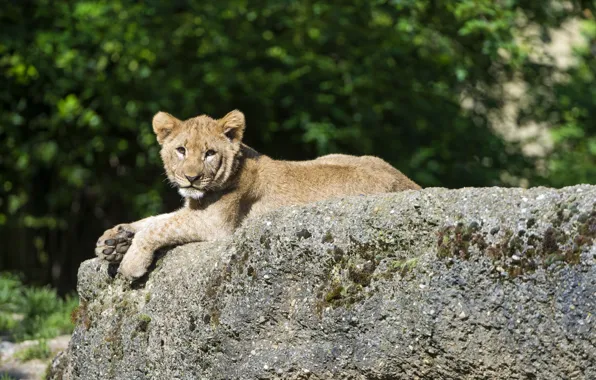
{"x":488,"y":283}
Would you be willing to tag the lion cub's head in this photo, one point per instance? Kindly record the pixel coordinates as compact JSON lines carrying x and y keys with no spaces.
{"x":199,"y":154}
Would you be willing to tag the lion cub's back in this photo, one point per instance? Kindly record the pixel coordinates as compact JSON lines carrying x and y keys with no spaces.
{"x":331,"y":176}
{"x":375,"y":168}
{"x":274,"y":183}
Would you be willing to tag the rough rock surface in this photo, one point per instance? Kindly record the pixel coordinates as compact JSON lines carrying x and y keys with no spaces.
{"x":485,"y":283}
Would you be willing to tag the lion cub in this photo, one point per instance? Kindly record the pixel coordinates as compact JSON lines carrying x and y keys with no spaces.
{"x":225,"y":182}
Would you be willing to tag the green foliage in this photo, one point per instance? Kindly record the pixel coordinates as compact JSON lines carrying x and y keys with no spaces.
{"x":573,"y":113}
{"x":81,"y":81}
{"x":39,"y":350}
{"x":9,"y":300}
{"x":45,"y":314}
{"x":5,"y":376}
{"x":33,"y":313}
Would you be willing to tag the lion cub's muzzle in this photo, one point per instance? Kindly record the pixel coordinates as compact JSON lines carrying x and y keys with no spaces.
{"x":200,"y":183}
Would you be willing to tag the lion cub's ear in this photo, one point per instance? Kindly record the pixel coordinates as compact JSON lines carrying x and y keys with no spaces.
{"x":233,"y":125}
{"x":163,"y":125}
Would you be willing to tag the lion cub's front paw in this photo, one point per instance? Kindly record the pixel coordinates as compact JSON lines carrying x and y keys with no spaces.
{"x":114,"y":243}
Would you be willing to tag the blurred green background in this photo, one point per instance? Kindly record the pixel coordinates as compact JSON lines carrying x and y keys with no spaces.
{"x":416,"y":82}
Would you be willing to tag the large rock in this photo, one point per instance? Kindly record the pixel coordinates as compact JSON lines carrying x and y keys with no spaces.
{"x":438,"y":284}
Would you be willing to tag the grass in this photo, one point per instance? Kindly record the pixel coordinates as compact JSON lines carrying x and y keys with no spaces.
{"x":5,"y":376}
{"x":33,"y":312}
{"x":40,"y":350}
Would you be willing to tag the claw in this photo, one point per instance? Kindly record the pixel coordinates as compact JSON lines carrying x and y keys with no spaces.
{"x":110,"y":242}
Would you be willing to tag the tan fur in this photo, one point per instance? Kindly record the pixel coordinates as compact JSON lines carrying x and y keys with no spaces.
{"x":225,"y":182}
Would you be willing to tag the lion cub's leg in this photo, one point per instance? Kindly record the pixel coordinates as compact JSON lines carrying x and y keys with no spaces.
{"x":181,"y":227}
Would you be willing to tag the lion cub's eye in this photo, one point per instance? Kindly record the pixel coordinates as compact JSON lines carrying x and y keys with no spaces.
{"x":181,"y":150}
{"x":209,"y":153}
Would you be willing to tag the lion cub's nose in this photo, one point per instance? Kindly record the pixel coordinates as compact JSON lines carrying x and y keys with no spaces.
{"x":191,"y":179}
